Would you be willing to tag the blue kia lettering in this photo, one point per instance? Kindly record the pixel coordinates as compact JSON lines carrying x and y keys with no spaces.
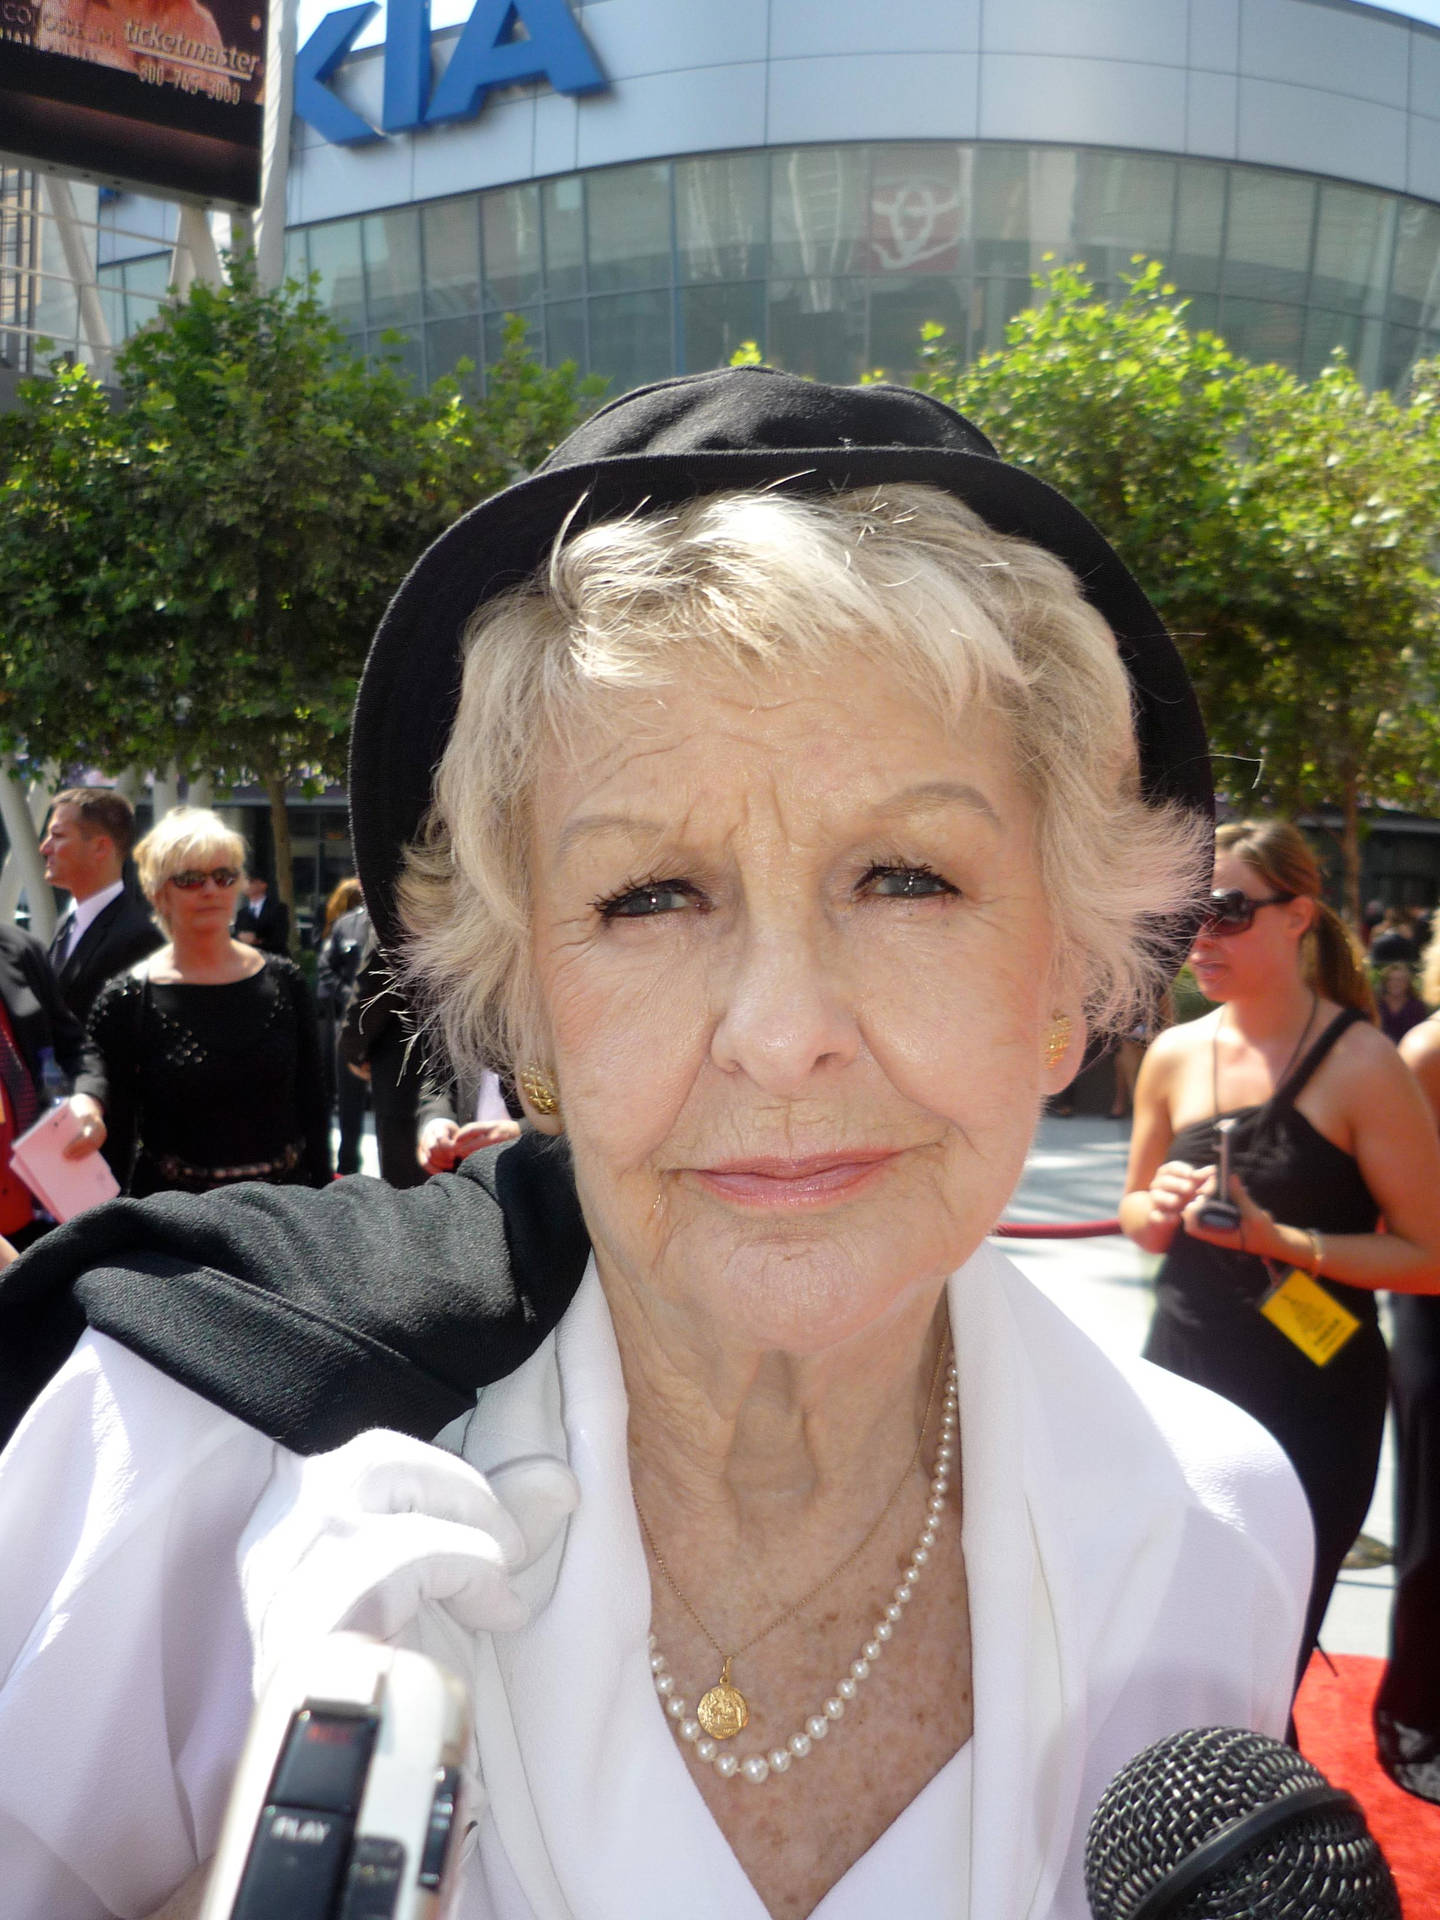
{"x":487,"y":54}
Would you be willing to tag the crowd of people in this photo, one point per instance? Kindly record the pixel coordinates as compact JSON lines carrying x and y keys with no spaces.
{"x":757,"y":802}
{"x":192,"y":1048}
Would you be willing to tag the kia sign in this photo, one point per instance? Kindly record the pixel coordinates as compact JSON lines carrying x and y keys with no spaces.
{"x":487,"y":54}
{"x":160,"y":95}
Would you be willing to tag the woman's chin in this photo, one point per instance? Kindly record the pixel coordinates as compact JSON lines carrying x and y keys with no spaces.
{"x":798,"y":1291}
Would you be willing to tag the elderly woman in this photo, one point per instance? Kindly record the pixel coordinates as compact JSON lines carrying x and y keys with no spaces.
{"x":813,"y":1563}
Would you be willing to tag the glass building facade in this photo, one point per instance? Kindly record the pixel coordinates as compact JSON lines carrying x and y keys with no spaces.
{"x":830,"y":258}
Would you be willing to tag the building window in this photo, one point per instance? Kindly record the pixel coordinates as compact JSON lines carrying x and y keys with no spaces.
{"x":510,"y":221}
{"x":450,"y":237}
{"x":563,"y":207}
{"x":628,"y":227}
{"x":392,"y":267}
{"x":335,"y":257}
{"x":722,"y":217}
{"x":631,"y":333}
{"x":832,"y":258}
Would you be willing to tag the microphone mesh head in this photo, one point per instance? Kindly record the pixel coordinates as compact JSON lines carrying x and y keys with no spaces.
{"x":1179,"y":1793}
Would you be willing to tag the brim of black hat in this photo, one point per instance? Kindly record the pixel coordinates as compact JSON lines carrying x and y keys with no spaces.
{"x":410,"y":687}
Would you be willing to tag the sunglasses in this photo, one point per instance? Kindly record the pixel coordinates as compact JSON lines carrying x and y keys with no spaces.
{"x":193,"y":877}
{"x":1230,"y":910}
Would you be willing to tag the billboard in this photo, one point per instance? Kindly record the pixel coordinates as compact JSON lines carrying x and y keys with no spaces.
{"x":165,"y":96}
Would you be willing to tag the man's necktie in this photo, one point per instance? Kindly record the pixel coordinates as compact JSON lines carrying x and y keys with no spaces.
{"x":60,"y":945}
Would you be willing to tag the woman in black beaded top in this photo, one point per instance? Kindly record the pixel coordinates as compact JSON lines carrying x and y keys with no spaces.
{"x":211,"y":1070}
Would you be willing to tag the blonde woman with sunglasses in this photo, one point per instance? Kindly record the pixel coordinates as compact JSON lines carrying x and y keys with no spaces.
{"x":1273,"y":1304}
{"x":211,"y":1069}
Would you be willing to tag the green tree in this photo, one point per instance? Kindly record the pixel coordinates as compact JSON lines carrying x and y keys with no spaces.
{"x":1334,"y":501}
{"x":65,"y":580}
{"x":197,"y":572}
{"x":1283,"y":528}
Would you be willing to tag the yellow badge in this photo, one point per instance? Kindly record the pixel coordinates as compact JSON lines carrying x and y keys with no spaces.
{"x":1309,"y":1316}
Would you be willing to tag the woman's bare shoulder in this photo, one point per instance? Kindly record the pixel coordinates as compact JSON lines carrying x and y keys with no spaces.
{"x":1179,"y":1044}
{"x":1420,"y":1049}
{"x":1363,"y":1051}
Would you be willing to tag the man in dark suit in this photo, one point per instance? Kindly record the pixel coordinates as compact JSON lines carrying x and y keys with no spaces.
{"x":263,"y":921}
{"x":105,"y":929}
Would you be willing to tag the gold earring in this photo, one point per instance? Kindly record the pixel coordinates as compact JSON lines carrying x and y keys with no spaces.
{"x":539,"y":1090}
{"x":1057,"y":1041}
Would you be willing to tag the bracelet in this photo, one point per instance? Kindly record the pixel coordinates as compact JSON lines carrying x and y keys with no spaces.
{"x":1317,"y":1251}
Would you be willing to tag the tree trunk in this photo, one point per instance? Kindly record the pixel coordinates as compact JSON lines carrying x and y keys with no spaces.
{"x":1350,"y":857}
{"x":23,"y":871}
{"x":24,"y":839}
{"x":165,"y":790}
{"x":274,"y":785}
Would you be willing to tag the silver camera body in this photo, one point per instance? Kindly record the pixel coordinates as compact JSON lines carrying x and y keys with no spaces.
{"x":348,"y":1800}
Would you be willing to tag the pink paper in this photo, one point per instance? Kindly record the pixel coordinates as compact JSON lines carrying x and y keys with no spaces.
{"x":63,"y":1187}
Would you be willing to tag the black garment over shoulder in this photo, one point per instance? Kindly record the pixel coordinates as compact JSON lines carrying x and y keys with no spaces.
{"x":312,"y":1316}
{"x":211,"y":1076}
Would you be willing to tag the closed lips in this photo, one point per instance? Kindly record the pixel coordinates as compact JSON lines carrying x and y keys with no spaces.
{"x":794,"y":1182}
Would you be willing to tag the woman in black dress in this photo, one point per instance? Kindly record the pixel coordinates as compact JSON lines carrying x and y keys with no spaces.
{"x":1328,"y":1133}
{"x":210,"y":1058}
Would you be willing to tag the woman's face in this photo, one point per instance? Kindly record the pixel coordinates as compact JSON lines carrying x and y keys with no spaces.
{"x":1396,"y":981}
{"x":1228,"y":966}
{"x":794,"y":957}
{"x":199,"y":909}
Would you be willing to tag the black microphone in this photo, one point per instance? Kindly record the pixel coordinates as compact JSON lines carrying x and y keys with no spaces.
{"x":1217,"y":1823}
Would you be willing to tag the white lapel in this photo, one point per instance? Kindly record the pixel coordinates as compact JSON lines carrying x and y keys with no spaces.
{"x":1075,"y":1516}
{"x":575,"y":1752}
{"x":590,"y":1795}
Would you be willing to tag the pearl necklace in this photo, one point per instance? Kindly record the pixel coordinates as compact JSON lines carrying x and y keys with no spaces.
{"x":758,"y":1767}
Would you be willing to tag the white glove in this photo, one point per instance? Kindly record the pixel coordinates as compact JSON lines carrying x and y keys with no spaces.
{"x":360,"y":1538}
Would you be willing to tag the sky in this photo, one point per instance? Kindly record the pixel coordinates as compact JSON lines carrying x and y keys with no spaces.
{"x":443,"y":13}
{"x":1414,"y":9}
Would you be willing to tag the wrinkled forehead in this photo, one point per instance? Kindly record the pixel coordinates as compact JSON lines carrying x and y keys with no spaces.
{"x":865,"y":693}
{"x":814,"y":752}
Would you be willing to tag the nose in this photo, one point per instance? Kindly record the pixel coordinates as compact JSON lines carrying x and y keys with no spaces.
{"x":788,"y":1012}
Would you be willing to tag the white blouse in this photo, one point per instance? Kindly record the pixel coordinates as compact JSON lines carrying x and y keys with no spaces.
{"x":1137,"y":1554}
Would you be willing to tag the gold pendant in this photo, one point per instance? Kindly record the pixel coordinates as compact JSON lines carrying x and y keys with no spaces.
{"x":723,"y":1712}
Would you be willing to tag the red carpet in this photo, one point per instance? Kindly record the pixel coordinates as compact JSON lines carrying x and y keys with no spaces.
{"x":1333,"y":1716}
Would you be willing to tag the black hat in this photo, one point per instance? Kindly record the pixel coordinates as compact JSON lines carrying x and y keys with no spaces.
{"x":707,"y":433}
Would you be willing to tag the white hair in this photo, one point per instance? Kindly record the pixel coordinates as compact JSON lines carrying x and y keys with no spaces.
{"x":907,"y":576}
{"x":185,"y":837}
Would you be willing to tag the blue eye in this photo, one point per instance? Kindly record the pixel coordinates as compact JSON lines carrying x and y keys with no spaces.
{"x":905,"y":883}
{"x":639,"y":903}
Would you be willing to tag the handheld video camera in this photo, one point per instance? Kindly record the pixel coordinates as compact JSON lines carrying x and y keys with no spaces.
{"x":347,"y":1804}
{"x":1220,"y":1212}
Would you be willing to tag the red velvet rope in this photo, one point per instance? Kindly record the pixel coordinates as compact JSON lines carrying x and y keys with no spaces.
{"x":1056,"y":1229}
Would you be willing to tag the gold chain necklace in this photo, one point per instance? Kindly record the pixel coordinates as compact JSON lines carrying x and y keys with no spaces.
{"x":724,"y":1711}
